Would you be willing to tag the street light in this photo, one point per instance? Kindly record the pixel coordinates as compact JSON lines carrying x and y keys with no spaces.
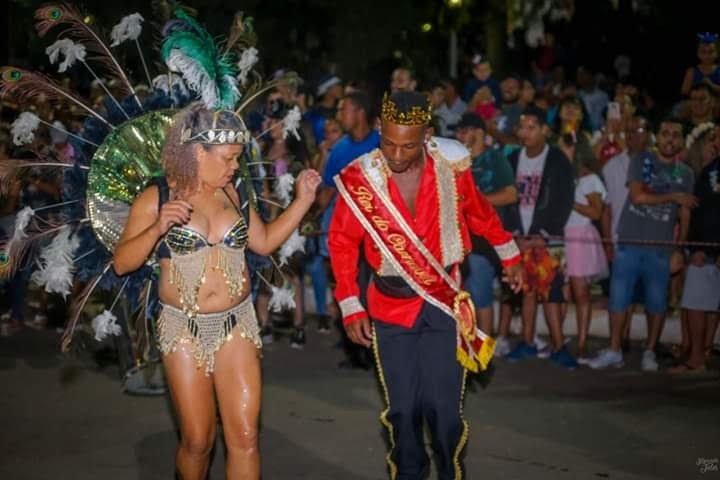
{"x":453,"y":43}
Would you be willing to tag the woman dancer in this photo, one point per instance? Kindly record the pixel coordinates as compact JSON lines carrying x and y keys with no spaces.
{"x":208,"y":331}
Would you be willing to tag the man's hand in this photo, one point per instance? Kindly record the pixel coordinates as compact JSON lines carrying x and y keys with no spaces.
{"x":685,"y":199}
{"x":609,"y":251}
{"x":360,"y":332}
{"x":531,"y":241}
{"x":698,"y":258}
{"x":514,"y":276}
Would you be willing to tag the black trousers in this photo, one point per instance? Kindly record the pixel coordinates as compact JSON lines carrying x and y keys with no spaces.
{"x":422,"y":380}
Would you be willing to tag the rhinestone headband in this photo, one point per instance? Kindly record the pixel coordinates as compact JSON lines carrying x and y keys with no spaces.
{"x":416,"y":116}
{"x":217,"y":136}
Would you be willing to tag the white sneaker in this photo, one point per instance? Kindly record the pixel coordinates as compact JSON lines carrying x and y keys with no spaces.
{"x":540,"y":344}
{"x":5,"y":317}
{"x":544,"y":352}
{"x":584,"y":360}
{"x":606,"y":358}
{"x":39,"y":322}
{"x":502,"y":347}
{"x":649,"y":364}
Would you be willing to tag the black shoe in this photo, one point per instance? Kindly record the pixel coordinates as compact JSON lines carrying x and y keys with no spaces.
{"x":353,"y":365}
{"x":323,"y":324}
{"x":266,"y":335}
{"x":297,"y":340}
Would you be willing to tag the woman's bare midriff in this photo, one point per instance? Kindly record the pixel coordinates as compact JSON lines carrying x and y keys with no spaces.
{"x":213,"y":294}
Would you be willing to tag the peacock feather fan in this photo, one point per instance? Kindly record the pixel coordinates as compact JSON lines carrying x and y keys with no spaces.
{"x":79,"y":27}
{"x":190,"y":50}
{"x":24,"y":85}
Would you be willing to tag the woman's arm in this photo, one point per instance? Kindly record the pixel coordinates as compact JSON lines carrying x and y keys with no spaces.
{"x":144,"y":228}
{"x":264,"y":239}
{"x":593,"y":210}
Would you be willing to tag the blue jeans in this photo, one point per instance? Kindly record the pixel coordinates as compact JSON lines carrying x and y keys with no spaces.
{"x":633,"y":263}
{"x":479,"y":281}
{"x":315,"y":266}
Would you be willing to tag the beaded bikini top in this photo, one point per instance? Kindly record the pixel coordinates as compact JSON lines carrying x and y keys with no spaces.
{"x":185,"y":240}
{"x":190,"y":253}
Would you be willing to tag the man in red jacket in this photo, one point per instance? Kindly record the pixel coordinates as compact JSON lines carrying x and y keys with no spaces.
{"x":409,"y":208}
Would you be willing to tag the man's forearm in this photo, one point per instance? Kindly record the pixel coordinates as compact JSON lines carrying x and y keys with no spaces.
{"x":504,"y":196}
{"x":643,"y":198}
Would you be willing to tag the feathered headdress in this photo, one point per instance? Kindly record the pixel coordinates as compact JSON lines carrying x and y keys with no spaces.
{"x":190,"y":50}
{"x":118,"y":149}
{"x":707,"y":37}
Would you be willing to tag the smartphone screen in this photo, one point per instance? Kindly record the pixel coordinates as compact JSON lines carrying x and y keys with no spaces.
{"x":613,"y":110}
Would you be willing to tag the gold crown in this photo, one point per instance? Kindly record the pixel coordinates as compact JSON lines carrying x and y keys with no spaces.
{"x":416,"y":115}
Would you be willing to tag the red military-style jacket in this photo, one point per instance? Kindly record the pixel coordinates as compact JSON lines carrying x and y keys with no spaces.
{"x":347,"y":236}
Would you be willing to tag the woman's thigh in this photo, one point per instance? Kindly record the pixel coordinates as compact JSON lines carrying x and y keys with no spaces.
{"x":237,"y":380}
{"x":192,"y":394}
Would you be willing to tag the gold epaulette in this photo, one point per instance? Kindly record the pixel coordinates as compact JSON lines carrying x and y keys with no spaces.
{"x":451,"y":152}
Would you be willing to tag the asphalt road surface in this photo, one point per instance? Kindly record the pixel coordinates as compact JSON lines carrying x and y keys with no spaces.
{"x":65,"y":418}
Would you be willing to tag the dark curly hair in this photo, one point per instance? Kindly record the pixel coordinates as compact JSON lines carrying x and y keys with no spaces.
{"x":178,"y":159}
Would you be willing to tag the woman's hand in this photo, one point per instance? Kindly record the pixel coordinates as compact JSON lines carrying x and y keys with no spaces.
{"x":306,"y":186}
{"x":176,"y":212}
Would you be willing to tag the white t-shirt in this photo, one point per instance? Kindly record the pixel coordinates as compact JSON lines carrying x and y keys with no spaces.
{"x":585,"y":186}
{"x":615,"y":173}
{"x":528,"y":180}
{"x":450,"y":116}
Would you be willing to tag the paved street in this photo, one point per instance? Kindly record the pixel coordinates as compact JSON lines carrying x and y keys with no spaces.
{"x":65,"y":418}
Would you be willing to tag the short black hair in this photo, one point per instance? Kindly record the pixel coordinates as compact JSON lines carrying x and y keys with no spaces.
{"x":538,"y":113}
{"x":409,"y":69}
{"x":703,"y":86}
{"x":672,"y":119}
{"x":452,"y":82}
{"x":361,"y":100}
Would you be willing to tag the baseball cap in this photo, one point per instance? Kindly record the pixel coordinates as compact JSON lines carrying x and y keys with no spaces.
{"x":472,"y":120}
{"x":327,"y":82}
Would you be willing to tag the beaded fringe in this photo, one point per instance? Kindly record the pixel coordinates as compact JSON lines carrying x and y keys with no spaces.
{"x":187,"y":273}
{"x":207,"y":332}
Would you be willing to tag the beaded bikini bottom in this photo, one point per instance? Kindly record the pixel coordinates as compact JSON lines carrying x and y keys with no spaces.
{"x":207,"y":332}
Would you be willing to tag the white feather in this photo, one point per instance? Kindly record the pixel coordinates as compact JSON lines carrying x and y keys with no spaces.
{"x":70,"y":50}
{"x":55,"y":264}
{"x":23,"y":128}
{"x":129,"y":28}
{"x":296,"y":243}
{"x":195,"y":77}
{"x":284,"y":188}
{"x":248,"y":59}
{"x":291,"y":122}
{"x":281,"y":299}
{"x":104,"y":325}
{"x":233,"y":82}
{"x":22,"y":220}
{"x":167,"y":83}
